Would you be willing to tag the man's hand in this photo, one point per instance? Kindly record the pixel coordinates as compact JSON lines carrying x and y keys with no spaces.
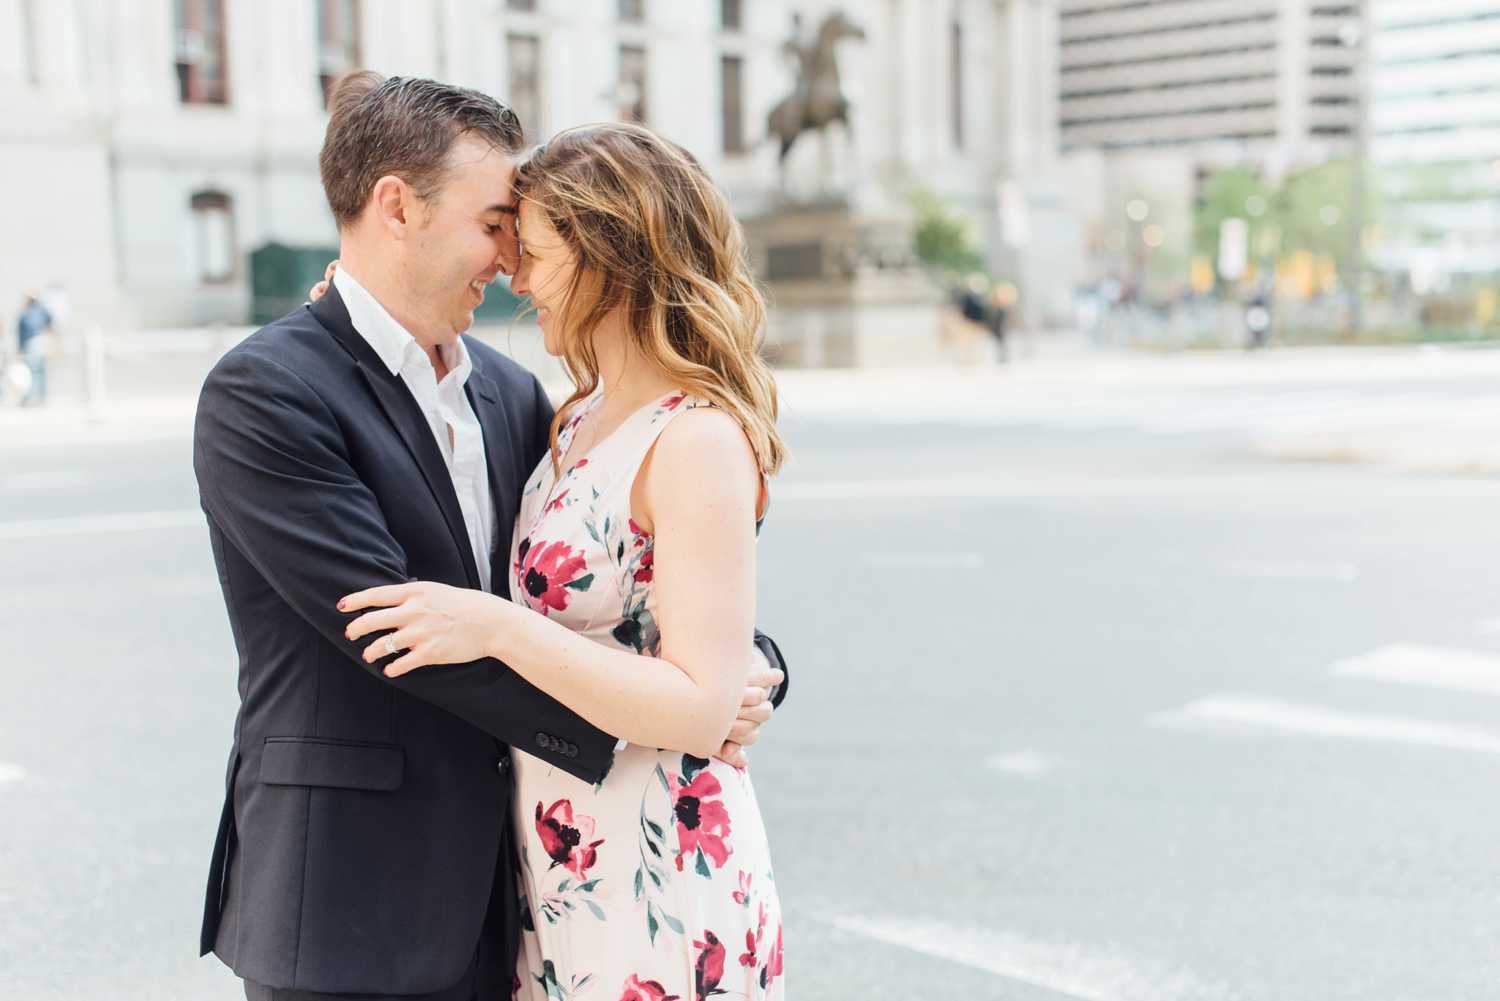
{"x":755,"y":710}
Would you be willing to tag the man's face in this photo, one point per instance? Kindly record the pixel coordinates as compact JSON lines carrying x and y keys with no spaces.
{"x":465,"y":236}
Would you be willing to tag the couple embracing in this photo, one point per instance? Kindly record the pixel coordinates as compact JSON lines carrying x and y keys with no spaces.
{"x":497,"y":665}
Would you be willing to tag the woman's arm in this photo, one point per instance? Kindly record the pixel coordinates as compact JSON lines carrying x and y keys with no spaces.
{"x":698,"y":491}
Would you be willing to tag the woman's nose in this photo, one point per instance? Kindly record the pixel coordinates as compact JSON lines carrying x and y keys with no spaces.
{"x":520,"y":278}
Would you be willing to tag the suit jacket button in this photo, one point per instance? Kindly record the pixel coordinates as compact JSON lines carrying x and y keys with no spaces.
{"x":572,"y":750}
{"x":543,"y":741}
{"x":502,"y":766}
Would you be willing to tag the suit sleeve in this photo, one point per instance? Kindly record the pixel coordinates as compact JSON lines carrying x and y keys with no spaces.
{"x":274,"y":476}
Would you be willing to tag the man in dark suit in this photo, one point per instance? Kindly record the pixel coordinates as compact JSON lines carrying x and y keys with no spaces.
{"x":365,"y":843}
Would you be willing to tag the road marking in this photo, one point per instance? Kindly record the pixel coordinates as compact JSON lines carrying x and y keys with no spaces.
{"x":1294,"y":571}
{"x":1095,"y":488}
{"x":45,"y":480}
{"x":964,"y":561}
{"x":1229,"y":712}
{"x":136,"y":521}
{"x":11,"y":773}
{"x":1431,"y":666}
{"x":1027,"y":764}
{"x":1070,"y":971}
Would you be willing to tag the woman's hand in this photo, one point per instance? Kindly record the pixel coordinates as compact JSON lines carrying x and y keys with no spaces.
{"x":755,"y":711}
{"x":433,"y":623}
{"x":319,"y":290}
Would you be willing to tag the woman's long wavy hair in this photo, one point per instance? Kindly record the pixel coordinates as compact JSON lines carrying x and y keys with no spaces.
{"x":655,"y":239}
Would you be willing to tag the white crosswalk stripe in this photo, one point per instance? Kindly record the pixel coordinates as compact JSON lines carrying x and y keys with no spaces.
{"x":1430,"y":666}
{"x":1233,"y":712}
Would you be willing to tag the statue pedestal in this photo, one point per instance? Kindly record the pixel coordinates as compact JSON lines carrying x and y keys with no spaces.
{"x":844,"y":289}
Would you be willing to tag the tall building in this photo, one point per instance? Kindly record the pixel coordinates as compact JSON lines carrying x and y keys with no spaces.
{"x":1242,"y":73}
{"x":1434,"y":89}
{"x":1156,"y":96}
{"x":158,"y":142}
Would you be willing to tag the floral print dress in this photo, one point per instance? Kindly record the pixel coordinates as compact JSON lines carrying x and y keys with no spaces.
{"x":655,"y":884}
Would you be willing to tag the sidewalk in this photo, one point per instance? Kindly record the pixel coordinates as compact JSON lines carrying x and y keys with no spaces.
{"x":1424,"y":409}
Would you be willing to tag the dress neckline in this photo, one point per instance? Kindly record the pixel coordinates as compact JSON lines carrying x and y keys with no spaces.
{"x":596,"y":446}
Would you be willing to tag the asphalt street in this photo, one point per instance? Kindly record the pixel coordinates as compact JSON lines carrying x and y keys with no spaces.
{"x":1116,"y":709}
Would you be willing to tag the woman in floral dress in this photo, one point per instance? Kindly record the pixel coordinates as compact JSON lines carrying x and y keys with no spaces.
{"x":633,"y":582}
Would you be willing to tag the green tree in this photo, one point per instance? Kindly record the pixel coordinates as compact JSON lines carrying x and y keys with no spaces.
{"x":945,"y":239}
{"x":1233,"y":193}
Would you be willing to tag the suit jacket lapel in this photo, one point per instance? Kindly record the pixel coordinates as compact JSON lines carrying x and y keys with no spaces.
{"x":485,"y":399}
{"x":402,"y":410}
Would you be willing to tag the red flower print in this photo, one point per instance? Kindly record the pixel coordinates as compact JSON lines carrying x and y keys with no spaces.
{"x":747,"y":958}
{"x":772,"y":969}
{"x":637,"y":989}
{"x":555,"y":504}
{"x":702,"y":822}
{"x":708,"y":970}
{"x":563,"y":837}
{"x":546,"y":572}
{"x":673,"y":402}
{"x":742,"y":895}
{"x":645,"y":573}
{"x":638,"y":533}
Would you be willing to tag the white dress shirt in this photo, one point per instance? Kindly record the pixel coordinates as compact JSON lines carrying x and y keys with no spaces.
{"x":444,"y":404}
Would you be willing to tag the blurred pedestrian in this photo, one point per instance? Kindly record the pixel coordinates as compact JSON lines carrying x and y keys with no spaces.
{"x":1258,"y":318}
{"x":1002,"y":300}
{"x":32,"y":329}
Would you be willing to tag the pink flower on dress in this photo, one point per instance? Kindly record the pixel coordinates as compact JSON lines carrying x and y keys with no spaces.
{"x":547,"y":571}
{"x":742,"y":895}
{"x":637,"y":989}
{"x":702,"y":821}
{"x":555,"y":504}
{"x":647,"y":567}
{"x":747,"y":958}
{"x":563,"y":836}
{"x":708,"y":969}
{"x":772,"y":969}
{"x":673,"y":402}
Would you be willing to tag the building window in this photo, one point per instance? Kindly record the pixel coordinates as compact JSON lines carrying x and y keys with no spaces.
{"x":202,"y":76}
{"x":631,"y":90}
{"x":524,"y":56}
{"x":731,"y":75}
{"x":956,"y":82}
{"x":731,"y":15}
{"x":632,"y":10}
{"x":213,"y":221}
{"x":525,"y":6}
{"x":338,"y":41}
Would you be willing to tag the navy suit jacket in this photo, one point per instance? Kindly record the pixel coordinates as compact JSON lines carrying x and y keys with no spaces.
{"x":364,"y":846}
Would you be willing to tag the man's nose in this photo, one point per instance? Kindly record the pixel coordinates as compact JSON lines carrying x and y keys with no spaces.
{"x":520,"y":279}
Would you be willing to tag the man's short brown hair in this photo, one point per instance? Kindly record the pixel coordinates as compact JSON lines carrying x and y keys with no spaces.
{"x":402,"y":126}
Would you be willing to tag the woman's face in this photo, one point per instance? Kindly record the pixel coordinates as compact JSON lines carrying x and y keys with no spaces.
{"x":545,"y":272}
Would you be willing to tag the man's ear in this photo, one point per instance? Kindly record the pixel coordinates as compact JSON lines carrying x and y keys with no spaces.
{"x":394,"y":203}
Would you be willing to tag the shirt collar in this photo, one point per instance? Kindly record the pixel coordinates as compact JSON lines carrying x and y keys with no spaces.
{"x":392,"y":342}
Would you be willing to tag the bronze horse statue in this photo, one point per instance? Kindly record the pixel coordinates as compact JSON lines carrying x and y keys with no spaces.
{"x":818,"y":99}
